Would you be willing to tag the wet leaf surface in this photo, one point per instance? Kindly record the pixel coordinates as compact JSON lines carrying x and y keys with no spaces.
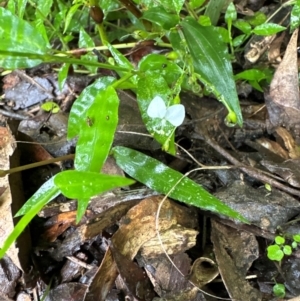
{"x":114,"y":252}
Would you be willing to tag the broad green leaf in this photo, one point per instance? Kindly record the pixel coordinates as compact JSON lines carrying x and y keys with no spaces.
{"x":83,"y":102}
{"x":19,"y":36}
{"x":163,"y":179}
{"x":76,"y":184}
{"x":295,"y":15}
{"x":161,"y":17}
{"x":211,"y":61}
{"x":153,"y":84}
{"x":156,"y":62}
{"x":47,"y":192}
{"x":268,"y":29}
{"x":97,"y":131}
{"x":213,"y":10}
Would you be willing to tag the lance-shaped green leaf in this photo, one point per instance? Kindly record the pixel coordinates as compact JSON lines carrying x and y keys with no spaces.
{"x":163,"y":179}
{"x":19,"y":36}
{"x":76,"y":184}
{"x":83,"y":102}
{"x":83,"y":185}
{"x":97,"y":132}
{"x":211,"y":61}
{"x":47,"y":192}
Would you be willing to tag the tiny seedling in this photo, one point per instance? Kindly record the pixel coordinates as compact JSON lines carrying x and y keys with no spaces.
{"x":276,"y":252}
{"x":174,"y":114}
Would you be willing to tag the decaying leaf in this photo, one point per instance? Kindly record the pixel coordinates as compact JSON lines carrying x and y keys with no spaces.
{"x":235,"y":252}
{"x":283,"y":99}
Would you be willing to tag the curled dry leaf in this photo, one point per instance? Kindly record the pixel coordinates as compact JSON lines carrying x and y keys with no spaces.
{"x":283,"y":99}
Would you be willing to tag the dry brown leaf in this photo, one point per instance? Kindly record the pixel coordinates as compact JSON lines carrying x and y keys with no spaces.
{"x":283,"y":99}
{"x":235,"y":252}
{"x":6,"y":216}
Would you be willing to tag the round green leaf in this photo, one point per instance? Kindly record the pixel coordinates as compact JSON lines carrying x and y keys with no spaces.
{"x":275,"y":253}
{"x":279,"y":240}
{"x":287,"y":250}
{"x":279,"y":290}
{"x":296,"y":238}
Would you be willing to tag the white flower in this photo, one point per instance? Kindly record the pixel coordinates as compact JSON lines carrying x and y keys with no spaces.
{"x":174,"y":114}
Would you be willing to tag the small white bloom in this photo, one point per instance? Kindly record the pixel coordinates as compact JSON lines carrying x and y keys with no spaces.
{"x":174,"y":114}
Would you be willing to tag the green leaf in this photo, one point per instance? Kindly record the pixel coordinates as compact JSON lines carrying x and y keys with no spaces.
{"x":153,"y":84}
{"x":62,"y":75}
{"x":168,"y":5}
{"x":287,"y":250}
{"x":85,"y":41}
{"x":258,"y":18}
{"x":251,"y":74}
{"x":280,"y":240}
{"x":275,"y":253}
{"x":163,"y":179}
{"x":83,"y":102}
{"x":19,"y":36}
{"x":296,"y":238}
{"x":43,"y":9}
{"x":213,"y":10}
{"x":156,"y":62}
{"x":122,"y":61}
{"x":231,"y":14}
{"x":161,"y":17}
{"x":268,"y":29}
{"x":204,"y":20}
{"x":76,"y":184}
{"x":279,"y":290}
{"x":211,"y":61}
{"x":47,"y":192}
{"x":243,"y":26}
{"x":21,"y":7}
{"x":50,"y":106}
{"x":72,"y":11}
{"x":196,"y":3}
{"x":238,"y":40}
{"x":97,"y":131}
{"x":295,"y":15}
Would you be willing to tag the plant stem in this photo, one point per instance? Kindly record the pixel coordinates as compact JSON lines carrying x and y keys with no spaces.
{"x":3,"y":173}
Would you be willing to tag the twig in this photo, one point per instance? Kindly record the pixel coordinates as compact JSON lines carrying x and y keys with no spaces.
{"x":251,"y":171}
